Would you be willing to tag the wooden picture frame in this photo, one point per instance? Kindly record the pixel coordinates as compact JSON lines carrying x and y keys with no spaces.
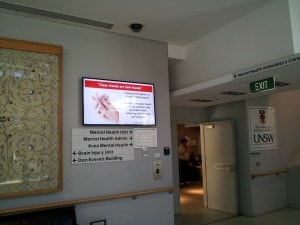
{"x":30,"y":118}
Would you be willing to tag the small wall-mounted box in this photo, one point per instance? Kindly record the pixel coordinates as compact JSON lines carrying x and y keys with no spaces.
{"x":166,"y":151}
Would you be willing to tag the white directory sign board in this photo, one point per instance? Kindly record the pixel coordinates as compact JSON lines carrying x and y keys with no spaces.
{"x":262,"y":128}
{"x":145,"y":137}
{"x":102,"y":145}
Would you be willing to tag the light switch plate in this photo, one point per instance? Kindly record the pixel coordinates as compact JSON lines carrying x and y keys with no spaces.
{"x":145,"y":152}
{"x":157,"y":169}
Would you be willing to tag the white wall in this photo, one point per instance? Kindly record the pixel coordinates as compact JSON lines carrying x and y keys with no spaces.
{"x":294,"y":6}
{"x":269,"y":192}
{"x":104,"y":55}
{"x":188,"y":115}
{"x":261,"y":36}
{"x":263,"y":194}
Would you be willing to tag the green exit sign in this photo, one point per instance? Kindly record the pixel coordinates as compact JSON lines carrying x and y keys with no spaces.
{"x":262,"y":85}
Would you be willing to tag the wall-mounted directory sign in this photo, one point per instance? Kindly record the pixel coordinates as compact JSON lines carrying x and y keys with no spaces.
{"x":267,"y":66}
{"x":102,"y":145}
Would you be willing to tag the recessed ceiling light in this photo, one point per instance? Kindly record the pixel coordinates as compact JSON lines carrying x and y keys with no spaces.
{"x":280,"y":84}
{"x":200,"y":100}
{"x":232,"y":93}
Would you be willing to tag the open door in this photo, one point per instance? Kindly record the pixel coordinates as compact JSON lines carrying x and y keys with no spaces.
{"x":219,"y":166}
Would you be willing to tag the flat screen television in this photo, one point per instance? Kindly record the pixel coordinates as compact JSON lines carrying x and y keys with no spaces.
{"x":114,"y":102}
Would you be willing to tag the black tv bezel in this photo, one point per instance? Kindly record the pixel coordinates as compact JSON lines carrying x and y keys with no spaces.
{"x":118,"y":124}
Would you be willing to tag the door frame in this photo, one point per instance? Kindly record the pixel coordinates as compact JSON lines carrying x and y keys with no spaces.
{"x":175,"y":165}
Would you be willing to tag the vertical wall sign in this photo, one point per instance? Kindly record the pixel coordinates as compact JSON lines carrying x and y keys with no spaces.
{"x":30,"y":118}
{"x":262,"y":128}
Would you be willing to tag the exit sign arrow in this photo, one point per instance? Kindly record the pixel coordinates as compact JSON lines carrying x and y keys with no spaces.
{"x":262,"y":85}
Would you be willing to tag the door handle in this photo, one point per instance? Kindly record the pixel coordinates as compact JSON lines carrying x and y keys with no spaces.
{"x":230,"y":167}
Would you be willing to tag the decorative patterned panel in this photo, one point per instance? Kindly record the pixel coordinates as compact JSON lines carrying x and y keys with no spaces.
{"x":29,"y":122}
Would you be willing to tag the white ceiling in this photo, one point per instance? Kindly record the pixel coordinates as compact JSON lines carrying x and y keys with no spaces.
{"x":177,"y":22}
{"x":288,"y":74}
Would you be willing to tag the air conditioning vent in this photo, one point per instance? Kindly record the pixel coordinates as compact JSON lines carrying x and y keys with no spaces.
{"x":54,"y":16}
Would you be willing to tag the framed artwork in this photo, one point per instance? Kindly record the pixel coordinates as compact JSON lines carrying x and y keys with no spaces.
{"x":30,"y":118}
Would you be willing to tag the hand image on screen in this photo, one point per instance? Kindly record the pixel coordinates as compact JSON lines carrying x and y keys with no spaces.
{"x":105,"y":108}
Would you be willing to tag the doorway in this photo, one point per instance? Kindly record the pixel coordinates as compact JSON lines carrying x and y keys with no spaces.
{"x":194,"y":171}
{"x":190,"y":197}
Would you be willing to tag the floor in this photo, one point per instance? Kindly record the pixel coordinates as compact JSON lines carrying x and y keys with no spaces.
{"x":193,"y":212}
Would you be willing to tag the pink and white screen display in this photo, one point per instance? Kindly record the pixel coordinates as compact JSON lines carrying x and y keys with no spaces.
{"x":111,"y":102}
